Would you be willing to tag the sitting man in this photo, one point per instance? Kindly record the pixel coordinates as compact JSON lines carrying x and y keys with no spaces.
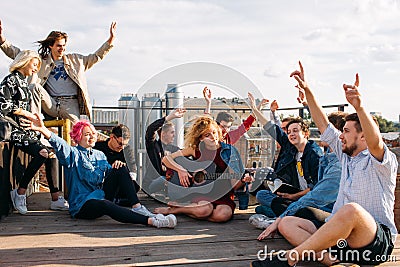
{"x":119,"y":154}
{"x":317,"y":204}
{"x":362,"y":220}
{"x":298,"y":162}
{"x":156,"y":148}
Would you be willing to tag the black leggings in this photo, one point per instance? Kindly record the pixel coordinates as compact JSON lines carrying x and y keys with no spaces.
{"x":36,"y":162}
{"x":50,"y":164}
{"x":95,"y":208}
{"x":118,"y":182}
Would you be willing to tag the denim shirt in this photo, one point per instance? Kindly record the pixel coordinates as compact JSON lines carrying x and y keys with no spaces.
{"x":230,"y":155}
{"x":286,"y":163}
{"x":85,"y":170}
{"x":325,"y":192}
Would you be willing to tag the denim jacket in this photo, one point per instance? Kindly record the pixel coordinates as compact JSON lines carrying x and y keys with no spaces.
{"x":230,"y":155}
{"x":286,"y":163}
{"x":85,"y":170}
{"x":325,"y":192}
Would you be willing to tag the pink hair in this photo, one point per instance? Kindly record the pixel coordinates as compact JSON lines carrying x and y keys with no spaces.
{"x":77,"y":129}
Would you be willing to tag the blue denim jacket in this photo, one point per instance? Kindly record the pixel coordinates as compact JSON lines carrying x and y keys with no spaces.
{"x":230,"y":155}
{"x":84,"y":172}
{"x":325,"y":192}
{"x":286,"y":163}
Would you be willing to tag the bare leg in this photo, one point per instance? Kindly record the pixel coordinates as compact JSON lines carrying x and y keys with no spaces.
{"x":200,"y":210}
{"x":297,"y":230}
{"x":221,"y":213}
{"x":351,"y":222}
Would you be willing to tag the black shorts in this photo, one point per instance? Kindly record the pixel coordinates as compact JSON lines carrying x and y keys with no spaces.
{"x":377,"y":251}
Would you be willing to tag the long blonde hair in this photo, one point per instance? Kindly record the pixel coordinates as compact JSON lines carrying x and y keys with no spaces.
{"x":23,"y":58}
{"x":199,"y":127}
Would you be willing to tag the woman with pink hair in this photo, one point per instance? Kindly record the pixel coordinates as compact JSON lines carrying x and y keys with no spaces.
{"x":92,"y":182}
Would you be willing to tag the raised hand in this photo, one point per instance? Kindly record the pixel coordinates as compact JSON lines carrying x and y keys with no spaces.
{"x":113,"y":29}
{"x":2,"y":38}
{"x":299,"y":76}
{"x":302,"y":97}
{"x":176,"y":113}
{"x":352,"y":94}
{"x":263,"y":103}
{"x":274,"y":106}
{"x":207,"y":94}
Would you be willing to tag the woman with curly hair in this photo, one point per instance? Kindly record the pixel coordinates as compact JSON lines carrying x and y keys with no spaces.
{"x":203,"y":144}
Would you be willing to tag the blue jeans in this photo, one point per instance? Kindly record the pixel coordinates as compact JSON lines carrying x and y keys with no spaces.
{"x":265,"y":197}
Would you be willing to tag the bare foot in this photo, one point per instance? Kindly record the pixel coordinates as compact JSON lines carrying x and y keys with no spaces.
{"x":163,"y":210}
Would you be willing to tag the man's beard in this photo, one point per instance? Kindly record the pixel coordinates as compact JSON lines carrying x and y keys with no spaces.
{"x":349,"y":150}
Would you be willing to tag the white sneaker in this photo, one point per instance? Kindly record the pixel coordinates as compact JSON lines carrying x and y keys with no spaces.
{"x":143,"y":210}
{"x":59,"y":204}
{"x":160,"y":220}
{"x":19,"y":201}
{"x":261,"y":221}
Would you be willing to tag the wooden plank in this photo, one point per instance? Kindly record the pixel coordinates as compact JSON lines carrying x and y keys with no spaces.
{"x":52,"y":238}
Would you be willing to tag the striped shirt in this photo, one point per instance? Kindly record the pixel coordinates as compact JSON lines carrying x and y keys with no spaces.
{"x":366,"y":181}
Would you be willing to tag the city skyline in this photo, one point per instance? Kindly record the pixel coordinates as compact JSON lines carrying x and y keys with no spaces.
{"x":263,"y":40}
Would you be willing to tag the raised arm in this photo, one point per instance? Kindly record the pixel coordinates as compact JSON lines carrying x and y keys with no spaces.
{"x":8,"y":49}
{"x":370,"y":129}
{"x":207,"y":98}
{"x":175,"y":114}
{"x":317,"y":113}
{"x":256,"y":111}
{"x":113,"y":29}
{"x":2,"y":38}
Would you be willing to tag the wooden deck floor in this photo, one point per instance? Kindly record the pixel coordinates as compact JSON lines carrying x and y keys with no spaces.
{"x":49,"y":238}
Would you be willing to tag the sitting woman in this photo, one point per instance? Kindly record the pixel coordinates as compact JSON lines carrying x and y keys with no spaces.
{"x":203,"y":143}
{"x":91,"y":180}
{"x":15,"y":99}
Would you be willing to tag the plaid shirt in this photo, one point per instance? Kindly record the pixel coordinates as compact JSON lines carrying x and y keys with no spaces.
{"x":366,"y":181}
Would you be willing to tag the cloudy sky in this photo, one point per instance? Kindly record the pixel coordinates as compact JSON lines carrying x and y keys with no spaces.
{"x":262,"y":39}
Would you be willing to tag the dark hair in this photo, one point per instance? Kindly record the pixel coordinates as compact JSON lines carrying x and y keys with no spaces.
{"x":224,"y":116}
{"x":338,"y":119}
{"x":303,"y":125}
{"x":44,"y":45}
{"x":287,"y":119}
{"x":354,"y":117}
{"x":121,"y":131}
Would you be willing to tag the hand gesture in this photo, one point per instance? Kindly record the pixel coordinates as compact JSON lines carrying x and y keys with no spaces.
{"x":299,"y":76}
{"x":263,"y":103}
{"x":176,"y":113}
{"x":2,"y":39}
{"x":113,"y":29}
{"x":352,"y":94}
{"x":252,"y":101}
{"x":270,"y":231}
{"x":274,"y":106}
{"x":302,"y":96}
{"x":207,"y":94}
